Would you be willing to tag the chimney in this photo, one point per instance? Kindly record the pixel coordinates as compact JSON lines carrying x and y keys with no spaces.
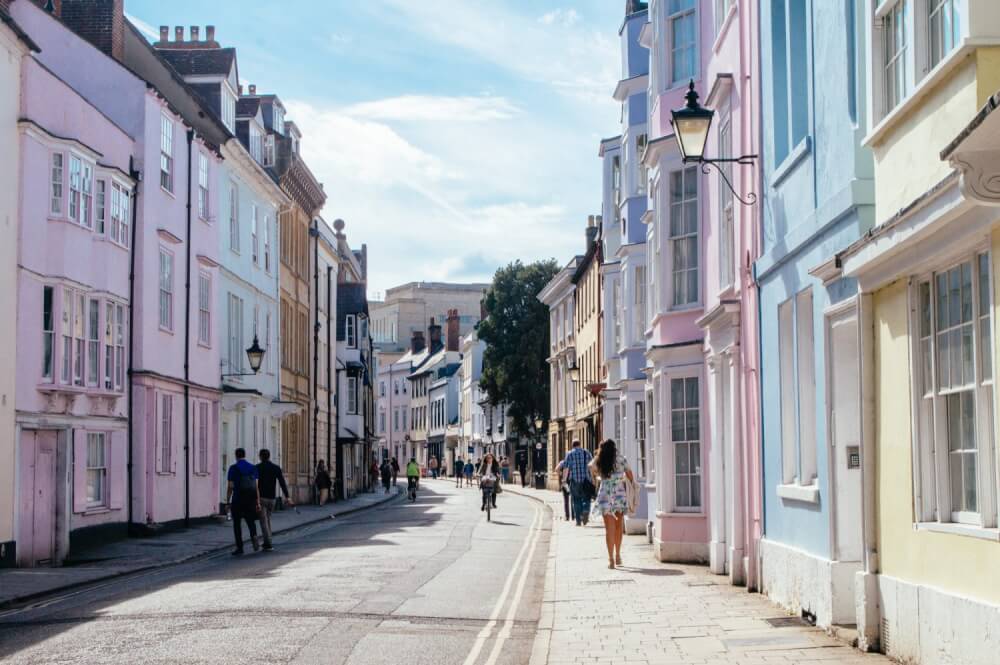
{"x":194,"y":33}
{"x":417,"y":341}
{"x":179,"y":33}
{"x":452,"y":333}
{"x":434,"y":336}
{"x":592,"y":231}
{"x":252,"y":89}
{"x":164,"y":34}
{"x":239,"y":89}
{"x":210,"y":33}
{"x":100,"y":22}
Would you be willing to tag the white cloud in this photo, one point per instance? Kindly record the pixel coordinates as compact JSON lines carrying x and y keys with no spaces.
{"x":565,"y":17}
{"x":436,"y":108}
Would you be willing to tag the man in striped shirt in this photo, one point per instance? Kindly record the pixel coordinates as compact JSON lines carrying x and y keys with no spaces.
{"x":580,"y":485}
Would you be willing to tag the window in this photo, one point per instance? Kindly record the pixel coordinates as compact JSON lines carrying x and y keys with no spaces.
{"x":203,"y":186}
{"x":269,"y":150}
{"x":683,"y":33}
{"x":267,"y":243}
{"x":616,"y":302}
{"x":204,"y":308}
{"x":267,"y":342}
{"x":395,"y":420}
{"x":254,"y":247}
{"x":955,"y":400}
{"x":121,"y":201}
{"x":119,"y":347}
{"x":109,"y":346}
{"x":895,"y":45}
{"x":79,"y":328}
{"x":640,"y":436}
{"x":640,"y":149}
{"x":166,"y":290}
{"x":727,"y":233}
{"x":616,"y":186}
{"x":684,"y":235}
{"x":722,"y":8}
{"x":87,"y":196}
{"x":235,"y":325}
{"x":93,"y":342}
{"x":944,"y":27}
{"x":100,"y":212}
{"x":75,"y":186}
{"x":805,"y":347}
{"x":381,"y":421}
{"x":202,"y":437}
{"x":278,"y":119}
{"x":639,"y":310}
{"x":381,"y":388}
{"x":97,"y":470}
{"x":48,"y":333}
{"x":685,"y":424}
{"x":352,"y":395}
{"x":350,"y":331}
{"x":166,"y":154}
{"x":56,"y":206}
{"x":255,"y":142}
{"x":166,"y":456}
{"x":228,"y":108}
{"x":789,"y":61}
{"x":786,"y":362}
{"x":67,"y":336}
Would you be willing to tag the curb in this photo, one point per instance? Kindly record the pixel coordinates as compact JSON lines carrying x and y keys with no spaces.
{"x":4,"y":604}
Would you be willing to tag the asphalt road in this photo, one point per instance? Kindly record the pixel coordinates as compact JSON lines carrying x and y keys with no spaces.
{"x":413,"y":583}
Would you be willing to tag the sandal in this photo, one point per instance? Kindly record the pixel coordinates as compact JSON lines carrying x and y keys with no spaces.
{"x":618,"y":560}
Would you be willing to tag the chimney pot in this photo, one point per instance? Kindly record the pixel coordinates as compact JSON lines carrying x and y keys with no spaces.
{"x":210,"y":33}
{"x":417,"y":341}
{"x":453,"y":338}
{"x":164,"y":33}
{"x":253,"y":89}
{"x":179,"y":33}
{"x":194,"y":33}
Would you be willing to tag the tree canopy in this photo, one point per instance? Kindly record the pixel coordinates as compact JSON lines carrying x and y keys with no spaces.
{"x":516,"y":333}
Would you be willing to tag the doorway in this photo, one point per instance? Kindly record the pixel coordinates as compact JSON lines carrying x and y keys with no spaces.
{"x":37,"y":513}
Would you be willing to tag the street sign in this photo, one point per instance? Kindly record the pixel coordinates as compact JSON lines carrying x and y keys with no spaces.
{"x":538,"y":446}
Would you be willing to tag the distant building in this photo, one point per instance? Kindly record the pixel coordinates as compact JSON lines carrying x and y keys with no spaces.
{"x":408,"y":308}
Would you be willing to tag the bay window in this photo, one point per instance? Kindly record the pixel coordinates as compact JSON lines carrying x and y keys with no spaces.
{"x":121,"y":221}
{"x":352,"y":395}
{"x":87,"y":196}
{"x":109,"y":346}
{"x":119,"y":347}
{"x":895,"y":35}
{"x":684,"y":236}
{"x":954,"y":394}
{"x":93,"y":342}
{"x":640,"y":437}
{"x":944,"y":28}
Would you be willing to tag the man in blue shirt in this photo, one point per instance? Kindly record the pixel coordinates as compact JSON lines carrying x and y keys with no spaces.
{"x":243,"y":499}
{"x":580,"y":485}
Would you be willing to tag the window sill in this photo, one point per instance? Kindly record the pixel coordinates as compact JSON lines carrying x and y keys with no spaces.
{"x":955,"y":529}
{"x":95,"y":510}
{"x":167,"y":192}
{"x":793,"y":159}
{"x":661,"y":514}
{"x":166,"y":330}
{"x":800,"y":493}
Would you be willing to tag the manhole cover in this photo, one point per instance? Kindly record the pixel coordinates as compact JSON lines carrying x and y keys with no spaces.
{"x":785,"y":622}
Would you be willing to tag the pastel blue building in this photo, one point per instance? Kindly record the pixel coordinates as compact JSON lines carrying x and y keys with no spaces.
{"x":818,"y":198}
{"x":624,"y":270}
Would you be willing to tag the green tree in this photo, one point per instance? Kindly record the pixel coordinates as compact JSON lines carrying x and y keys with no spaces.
{"x":516,"y":333}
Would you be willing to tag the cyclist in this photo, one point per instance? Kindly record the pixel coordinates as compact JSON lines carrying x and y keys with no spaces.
{"x":412,"y":475}
{"x":489,"y":476}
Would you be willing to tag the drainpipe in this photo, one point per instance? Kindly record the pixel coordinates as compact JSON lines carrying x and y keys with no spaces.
{"x":329,"y":369}
{"x":137,"y":177}
{"x":187,"y":341}
{"x":868,"y":612}
{"x":314,"y":232}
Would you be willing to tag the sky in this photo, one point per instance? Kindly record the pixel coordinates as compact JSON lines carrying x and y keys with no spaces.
{"x":451,"y":137}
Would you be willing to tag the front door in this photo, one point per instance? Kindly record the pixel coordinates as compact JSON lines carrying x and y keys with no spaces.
{"x":845,"y":434}
{"x":37,"y":519}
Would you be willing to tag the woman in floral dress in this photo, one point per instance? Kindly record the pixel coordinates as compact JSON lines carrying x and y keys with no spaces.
{"x":612,"y":497}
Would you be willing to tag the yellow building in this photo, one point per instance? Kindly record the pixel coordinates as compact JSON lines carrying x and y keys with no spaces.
{"x":929,"y":592}
{"x":589,"y":374}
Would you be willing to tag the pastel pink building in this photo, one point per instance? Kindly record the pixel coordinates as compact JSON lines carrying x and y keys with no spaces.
{"x":701,"y":339}
{"x":72,"y":324}
{"x":174,"y":362}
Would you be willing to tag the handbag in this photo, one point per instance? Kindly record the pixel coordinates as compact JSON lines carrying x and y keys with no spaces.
{"x":632,"y":494}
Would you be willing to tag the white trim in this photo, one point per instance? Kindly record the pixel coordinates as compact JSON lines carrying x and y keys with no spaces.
{"x":958,"y":530}
{"x":800,"y":493}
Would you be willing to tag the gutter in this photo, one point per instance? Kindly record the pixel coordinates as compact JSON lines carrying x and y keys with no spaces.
{"x":137,"y":176}
{"x":187,"y":341}
{"x":314,"y":232}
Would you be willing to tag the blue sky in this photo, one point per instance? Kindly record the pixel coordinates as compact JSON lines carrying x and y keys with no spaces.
{"x":451,"y":137}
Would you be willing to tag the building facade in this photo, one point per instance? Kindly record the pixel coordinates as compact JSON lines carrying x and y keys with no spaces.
{"x":324,"y":315}
{"x":587,"y":311}
{"x":407,"y":308}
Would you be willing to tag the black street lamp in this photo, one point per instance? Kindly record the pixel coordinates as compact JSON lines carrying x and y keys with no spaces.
{"x":255,"y":355}
{"x":691,"y":124}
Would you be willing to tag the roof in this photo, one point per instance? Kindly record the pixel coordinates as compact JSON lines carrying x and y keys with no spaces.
{"x":17,"y":30}
{"x":247,"y":107}
{"x":200,"y":62}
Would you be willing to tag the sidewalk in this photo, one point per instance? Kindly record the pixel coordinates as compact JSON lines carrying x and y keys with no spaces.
{"x":658,"y":614}
{"x":130,"y":555}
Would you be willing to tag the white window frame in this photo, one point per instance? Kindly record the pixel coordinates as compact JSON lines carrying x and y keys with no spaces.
{"x":48,"y":333}
{"x":119,"y":347}
{"x":79,"y":337}
{"x":100,"y":205}
{"x":699,"y":471}
{"x":931,"y":451}
{"x":234,"y":217}
{"x":121,"y":210}
{"x":204,"y":416}
{"x":66,"y":304}
{"x":727,"y":212}
{"x":203,"y":190}
{"x":97,"y":469}
{"x":352,"y":395}
{"x":166,"y":154}
{"x":228,"y":107}
{"x":165,"y":433}
{"x":683,"y":14}
{"x":722,"y":8}
{"x":204,"y":308}
{"x":75,"y":187}
{"x":640,"y":429}
{"x":685,"y":235}
{"x":267,"y":244}
{"x":166,"y":284}
{"x":109,"y":346}
{"x":57,"y":184}
{"x":269,"y":150}
{"x":93,"y":325}
{"x":254,"y":245}
{"x":236,"y":346}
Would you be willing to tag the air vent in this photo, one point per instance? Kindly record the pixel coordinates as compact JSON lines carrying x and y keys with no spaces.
{"x":884,"y":641}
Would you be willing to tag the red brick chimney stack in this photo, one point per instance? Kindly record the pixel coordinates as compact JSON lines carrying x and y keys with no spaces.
{"x":452,"y":335}
{"x":194,"y":33}
{"x":100,"y":22}
{"x":179,"y":33}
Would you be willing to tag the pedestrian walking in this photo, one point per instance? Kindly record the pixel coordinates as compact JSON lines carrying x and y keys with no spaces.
{"x":612,"y":497}
{"x":321,"y":481}
{"x":580,"y":486}
{"x":373,"y":475}
{"x":563,"y":474}
{"x":269,"y":477}
{"x":386,"y":471}
{"x":243,"y":499}
{"x":505,"y":470}
{"x":467,"y":471}
{"x":522,"y":468}
{"x":433,"y":466}
{"x":459,"y":470}
{"x":395,"y":470}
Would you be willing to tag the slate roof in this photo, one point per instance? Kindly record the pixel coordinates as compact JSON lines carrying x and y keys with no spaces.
{"x":351,"y":299}
{"x":200,"y":62}
{"x":246,"y":107}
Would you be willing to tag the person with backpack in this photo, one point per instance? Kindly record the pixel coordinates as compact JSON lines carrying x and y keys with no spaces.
{"x":243,"y":499}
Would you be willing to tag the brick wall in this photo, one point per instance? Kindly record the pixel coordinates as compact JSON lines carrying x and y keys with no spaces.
{"x":100,"y":22}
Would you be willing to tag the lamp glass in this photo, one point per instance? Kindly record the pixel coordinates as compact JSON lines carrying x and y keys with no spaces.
{"x":692,"y":134}
{"x":255,"y":355}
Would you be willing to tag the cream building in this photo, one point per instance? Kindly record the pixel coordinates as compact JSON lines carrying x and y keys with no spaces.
{"x":588,"y":371}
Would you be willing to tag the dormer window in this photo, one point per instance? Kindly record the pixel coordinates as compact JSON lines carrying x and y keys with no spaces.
{"x":255,"y":142}
{"x":228,"y":108}
{"x":269,"y":150}
{"x":279,"y":120}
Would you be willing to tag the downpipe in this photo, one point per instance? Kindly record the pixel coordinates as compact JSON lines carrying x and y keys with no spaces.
{"x":187,"y":340}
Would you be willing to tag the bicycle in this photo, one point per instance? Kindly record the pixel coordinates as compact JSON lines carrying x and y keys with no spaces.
{"x":489,"y":496}
{"x":411,"y":490}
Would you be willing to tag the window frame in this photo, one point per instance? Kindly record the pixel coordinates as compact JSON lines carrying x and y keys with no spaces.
{"x":696,"y":374}
{"x":350,"y":331}
{"x":205,"y":308}
{"x":234,"y":217}
{"x":685,"y":171}
{"x":254,"y":244}
{"x":352,"y":395}
{"x":166,"y":290}
{"x":691,"y":13}
{"x":165,"y":433}
{"x":48,"y":333}
{"x":727,"y":205}
{"x":166,"y":154}
{"x":101,"y":469}
{"x":57,"y":184}
{"x":203,"y":187}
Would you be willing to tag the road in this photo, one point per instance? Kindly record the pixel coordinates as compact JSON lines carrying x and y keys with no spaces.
{"x":425,"y":582}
